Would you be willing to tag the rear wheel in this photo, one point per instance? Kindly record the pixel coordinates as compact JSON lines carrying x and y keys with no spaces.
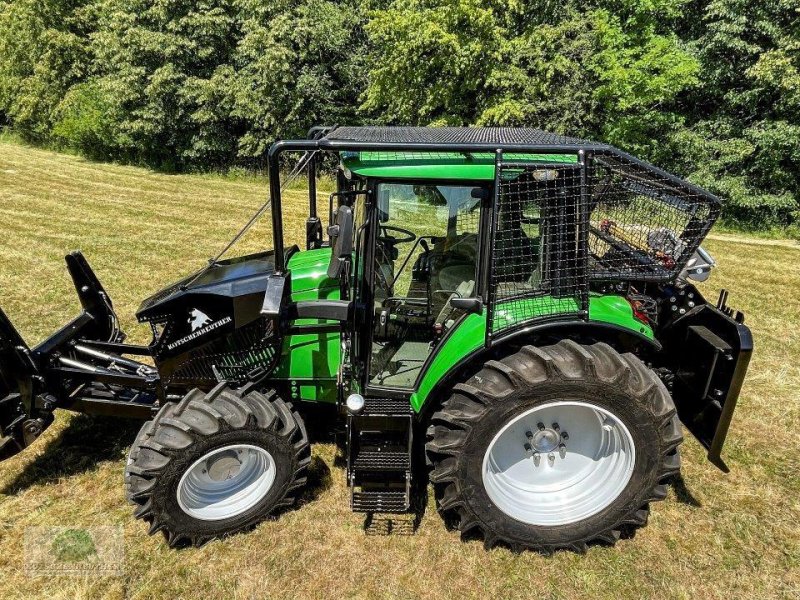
{"x":554,"y":448}
{"x":216,"y":464}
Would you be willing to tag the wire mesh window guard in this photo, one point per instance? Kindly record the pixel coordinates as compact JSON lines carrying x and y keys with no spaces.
{"x":644,"y":224}
{"x":559,"y":225}
{"x":553,"y":235}
{"x":537,"y":257}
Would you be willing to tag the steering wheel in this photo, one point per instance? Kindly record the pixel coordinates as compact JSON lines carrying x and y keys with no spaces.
{"x":410,"y":236}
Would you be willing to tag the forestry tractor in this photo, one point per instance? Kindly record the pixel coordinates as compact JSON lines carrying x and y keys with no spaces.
{"x":507,"y":314}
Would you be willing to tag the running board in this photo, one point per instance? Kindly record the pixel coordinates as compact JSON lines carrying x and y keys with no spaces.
{"x":379,"y":445}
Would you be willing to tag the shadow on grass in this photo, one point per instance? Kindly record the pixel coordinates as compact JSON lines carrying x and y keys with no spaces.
{"x":683,"y":493}
{"x":319,"y":480}
{"x":86,"y":441}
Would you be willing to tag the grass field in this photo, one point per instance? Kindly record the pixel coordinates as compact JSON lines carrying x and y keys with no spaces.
{"x":716,"y":536}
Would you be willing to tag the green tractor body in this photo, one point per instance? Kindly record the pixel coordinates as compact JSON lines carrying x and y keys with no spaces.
{"x":507,"y":314}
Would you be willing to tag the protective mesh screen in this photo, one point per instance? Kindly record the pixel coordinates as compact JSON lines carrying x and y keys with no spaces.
{"x":233,"y":357}
{"x":451,"y":135}
{"x":467,"y":218}
{"x":644,"y":224}
{"x":537,"y":256}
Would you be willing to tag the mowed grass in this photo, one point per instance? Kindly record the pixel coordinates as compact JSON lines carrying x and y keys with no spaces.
{"x":717,"y":536}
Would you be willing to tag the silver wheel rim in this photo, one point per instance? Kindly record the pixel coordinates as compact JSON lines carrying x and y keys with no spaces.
{"x":226,"y":482}
{"x":558,"y":463}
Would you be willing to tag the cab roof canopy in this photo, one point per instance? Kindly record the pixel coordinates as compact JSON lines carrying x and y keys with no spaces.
{"x":494,"y":137}
{"x":422,"y":152}
{"x":484,"y":153}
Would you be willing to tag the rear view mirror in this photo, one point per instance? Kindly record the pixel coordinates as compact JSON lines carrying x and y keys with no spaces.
{"x":468,"y":305}
{"x":480,"y":193}
{"x":341,"y":235}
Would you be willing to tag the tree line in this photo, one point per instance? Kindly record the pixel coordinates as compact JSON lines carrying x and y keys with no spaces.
{"x":709,"y":89}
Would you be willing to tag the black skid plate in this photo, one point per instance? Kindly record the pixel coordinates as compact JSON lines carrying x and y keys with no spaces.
{"x":711,"y":347}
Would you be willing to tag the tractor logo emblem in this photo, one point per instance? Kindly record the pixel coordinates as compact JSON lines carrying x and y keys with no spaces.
{"x":198,"y":319}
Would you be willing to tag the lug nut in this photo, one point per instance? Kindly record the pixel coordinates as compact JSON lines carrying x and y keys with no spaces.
{"x":536,"y":459}
{"x":529,"y":435}
{"x":551,"y":458}
{"x":564,"y":435}
{"x":540,"y":426}
{"x":556,"y":428}
{"x":528,"y":448}
{"x":562,"y":450}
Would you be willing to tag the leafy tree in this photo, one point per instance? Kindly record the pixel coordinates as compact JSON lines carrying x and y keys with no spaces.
{"x":298,"y":64}
{"x":603,"y":71}
{"x":430,"y":61}
{"x":743,"y":142}
{"x":706,"y":88}
{"x":44,"y":50}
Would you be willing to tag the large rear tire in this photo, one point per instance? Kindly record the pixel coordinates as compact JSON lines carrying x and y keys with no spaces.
{"x":216,"y":464}
{"x":554,"y":448}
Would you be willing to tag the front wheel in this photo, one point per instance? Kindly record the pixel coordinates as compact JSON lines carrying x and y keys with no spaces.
{"x":554,"y":448}
{"x":216,"y":464}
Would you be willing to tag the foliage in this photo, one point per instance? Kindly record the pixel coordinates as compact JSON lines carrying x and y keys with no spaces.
{"x":744,"y":141}
{"x":707,"y":88}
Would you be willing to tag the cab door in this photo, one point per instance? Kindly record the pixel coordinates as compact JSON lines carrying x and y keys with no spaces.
{"x":422,"y":251}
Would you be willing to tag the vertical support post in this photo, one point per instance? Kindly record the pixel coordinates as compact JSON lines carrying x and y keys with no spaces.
{"x":277,"y":209}
{"x":491,"y":295}
{"x":583,"y":234}
{"x":313,"y":224}
{"x":312,"y":187}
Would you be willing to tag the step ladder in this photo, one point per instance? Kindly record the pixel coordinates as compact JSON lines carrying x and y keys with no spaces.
{"x":379,"y":445}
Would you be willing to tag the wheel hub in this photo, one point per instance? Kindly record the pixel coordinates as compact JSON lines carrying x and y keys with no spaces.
{"x":545,"y":440}
{"x":224,"y":466}
{"x":226,"y":482}
{"x":541,"y":475}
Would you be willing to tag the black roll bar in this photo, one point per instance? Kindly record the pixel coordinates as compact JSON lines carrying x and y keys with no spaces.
{"x":335,"y":145}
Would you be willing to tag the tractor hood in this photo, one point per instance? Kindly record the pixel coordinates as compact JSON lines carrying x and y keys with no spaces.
{"x":241,"y":276}
{"x":228,"y":278}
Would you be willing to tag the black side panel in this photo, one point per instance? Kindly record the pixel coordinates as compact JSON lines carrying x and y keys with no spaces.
{"x":16,"y":365}
{"x":16,"y":388}
{"x":710,"y":352}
